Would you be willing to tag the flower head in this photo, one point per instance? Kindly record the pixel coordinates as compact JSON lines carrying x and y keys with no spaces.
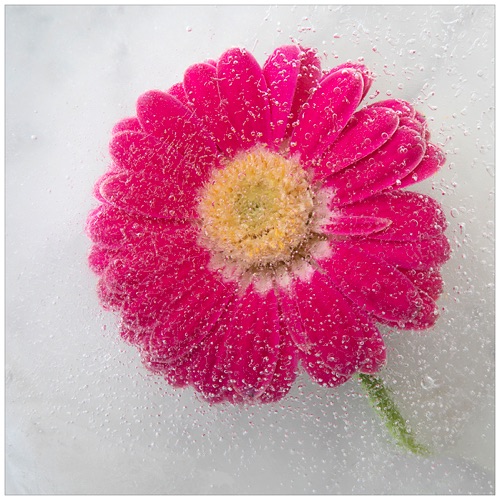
{"x":254,"y":218}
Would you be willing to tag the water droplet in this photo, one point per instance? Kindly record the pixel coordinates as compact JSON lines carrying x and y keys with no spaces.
{"x":429,"y":383}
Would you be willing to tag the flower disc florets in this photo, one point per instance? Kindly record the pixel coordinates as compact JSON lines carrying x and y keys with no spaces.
{"x":258,"y":211}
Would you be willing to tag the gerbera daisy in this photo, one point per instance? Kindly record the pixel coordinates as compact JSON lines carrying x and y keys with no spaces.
{"x":254,"y":219}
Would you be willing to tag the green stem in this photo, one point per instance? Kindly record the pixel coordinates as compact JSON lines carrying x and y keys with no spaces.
{"x":381,"y":400}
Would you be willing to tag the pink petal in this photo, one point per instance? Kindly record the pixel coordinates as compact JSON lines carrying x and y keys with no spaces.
{"x":375,"y":357}
{"x":281,"y":71}
{"x":138,"y":152}
{"x":144,"y":276}
{"x":367,"y":130}
{"x":112,"y":170}
{"x":177,"y":373}
{"x":293,"y":322}
{"x":429,"y":281}
{"x":402,"y":108}
{"x":145,"y":196}
{"x":208,"y":370}
{"x":179,"y":92}
{"x":406,"y":121}
{"x":243,"y":89}
{"x":286,"y":369}
{"x":189,"y":316}
{"x":147,"y":157}
{"x":421,"y":118}
{"x":425,"y":318}
{"x":200,"y":81}
{"x":337,"y":330}
{"x":326,"y":113}
{"x":322,"y":373}
{"x":417,"y":254}
{"x":347,"y":225}
{"x":361,"y":68}
{"x":433,"y":160}
{"x":308,"y":78}
{"x":99,"y":258}
{"x":413,"y":216}
{"x":127,"y":124}
{"x":133,"y":335}
{"x":376,"y":287}
{"x":393,"y":161}
{"x":112,"y":227}
{"x":253,"y":344}
{"x":171,"y":122}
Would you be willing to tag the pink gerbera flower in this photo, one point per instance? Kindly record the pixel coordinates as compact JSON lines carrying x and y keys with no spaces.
{"x":253,"y":218}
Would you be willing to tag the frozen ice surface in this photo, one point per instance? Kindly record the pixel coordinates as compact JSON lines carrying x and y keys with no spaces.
{"x":82,"y":414}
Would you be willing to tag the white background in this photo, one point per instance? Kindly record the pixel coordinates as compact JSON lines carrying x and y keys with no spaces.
{"x":82,"y":414}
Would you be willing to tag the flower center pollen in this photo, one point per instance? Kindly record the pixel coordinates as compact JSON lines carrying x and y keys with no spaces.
{"x":256,"y":211}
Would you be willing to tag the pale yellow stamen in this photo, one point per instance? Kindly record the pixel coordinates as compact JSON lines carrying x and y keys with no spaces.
{"x":257,"y":211}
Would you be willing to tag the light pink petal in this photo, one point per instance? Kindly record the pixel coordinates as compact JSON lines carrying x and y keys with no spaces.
{"x":307,"y":81}
{"x":367,"y":130}
{"x":417,"y":254}
{"x":326,"y":113}
{"x":127,"y":124}
{"x":367,"y":75}
{"x":243,"y":90}
{"x":429,"y":281}
{"x":253,"y":343}
{"x":281,"y":71}
{"x":286,"y":369}
{"x":413,"y":216}
{"x":393,"y":161}
{"x":402,"y":108}
{"x":166,"y":118}
{"x":376,"y":287}
{"x":337,"y":330}
{"x":200,"y":81}
{"x":348,"y":225}
{"x":433,"y":160}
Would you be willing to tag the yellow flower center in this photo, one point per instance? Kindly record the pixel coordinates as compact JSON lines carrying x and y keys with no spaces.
{"x":257,"y":210}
